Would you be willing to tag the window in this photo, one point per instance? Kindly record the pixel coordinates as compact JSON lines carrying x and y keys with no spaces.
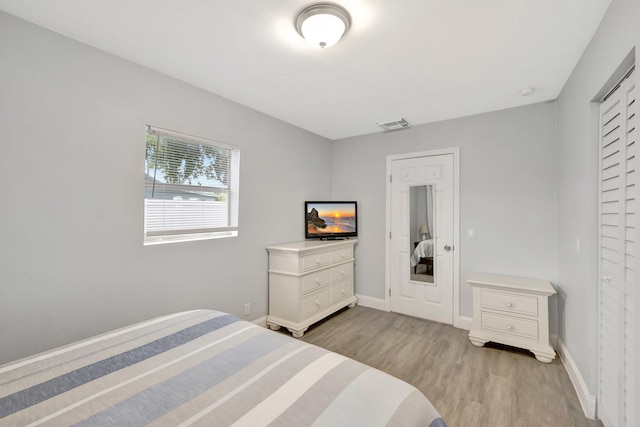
{"x":191,"y":188}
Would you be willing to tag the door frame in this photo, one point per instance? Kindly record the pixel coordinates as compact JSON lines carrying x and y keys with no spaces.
{"x":455,"y":151}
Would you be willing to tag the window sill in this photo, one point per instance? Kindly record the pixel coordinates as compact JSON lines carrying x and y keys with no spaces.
{"x":161,"y":240}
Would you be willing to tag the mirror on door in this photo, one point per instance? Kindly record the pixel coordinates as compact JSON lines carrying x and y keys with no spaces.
{"x":421,"y":223}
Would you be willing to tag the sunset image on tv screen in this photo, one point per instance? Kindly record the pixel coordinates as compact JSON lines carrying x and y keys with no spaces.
{"x":327,"y":218}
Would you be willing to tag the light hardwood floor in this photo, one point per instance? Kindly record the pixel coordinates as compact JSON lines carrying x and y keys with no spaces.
{"x":491,"y":386}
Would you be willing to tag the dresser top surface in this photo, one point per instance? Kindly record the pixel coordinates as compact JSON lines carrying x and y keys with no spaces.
{"x":306,"y":245}
{"x":511,"y":282}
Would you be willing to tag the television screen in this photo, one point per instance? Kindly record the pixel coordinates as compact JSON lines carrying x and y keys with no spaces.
{"x":331,"y":220}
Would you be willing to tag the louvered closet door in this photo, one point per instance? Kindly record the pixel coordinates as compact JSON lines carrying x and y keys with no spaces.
{"x":618,"y":206}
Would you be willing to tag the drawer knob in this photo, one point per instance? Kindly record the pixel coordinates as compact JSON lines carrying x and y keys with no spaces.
{"x":509,"y":326}
{"x":318,"y":303}
{"x":508,"y":304}
{"x":318,"y":281}
{"x":342,"y":255}
{"x":318,"y":262}
{"x":342,"y":291}
{"x":342,"y":272}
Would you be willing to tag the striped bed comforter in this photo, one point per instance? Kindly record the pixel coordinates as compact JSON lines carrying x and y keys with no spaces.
{"x":204,"y":368}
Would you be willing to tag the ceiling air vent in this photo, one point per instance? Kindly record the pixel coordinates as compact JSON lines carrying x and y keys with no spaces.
{"x":394,"y":125}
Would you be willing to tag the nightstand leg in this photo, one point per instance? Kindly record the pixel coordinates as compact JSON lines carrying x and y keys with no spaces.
{"x":544,"y":356}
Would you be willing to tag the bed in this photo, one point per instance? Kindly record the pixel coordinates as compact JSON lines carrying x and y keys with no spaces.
{"x":423,"y":254}
{"x":203,"y":368}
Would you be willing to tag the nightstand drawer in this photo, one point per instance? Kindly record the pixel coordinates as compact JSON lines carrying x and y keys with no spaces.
{"x":314,"y":281}
{"x":510,"y":325}
{"x":318,"y":260}
{"x":342,"y":290}
{"x":510,"y":302}
{"x":341,"y":272}
{"x":316,"y":302}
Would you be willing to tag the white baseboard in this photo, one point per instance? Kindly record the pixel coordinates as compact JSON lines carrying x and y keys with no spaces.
{"x":262,"y":321}
{"x":371,"y":302}
{"x":553,"y":339}
{"x":363,"y":300}
{"x":464,"y":322}
{"x":587,"y":401}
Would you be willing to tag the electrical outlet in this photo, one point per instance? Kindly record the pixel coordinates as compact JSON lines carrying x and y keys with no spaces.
{"x":247,"y":309}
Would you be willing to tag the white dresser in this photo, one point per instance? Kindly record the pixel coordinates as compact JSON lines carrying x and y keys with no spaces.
{"x":512,"y":311}
{"x":308,"y":281}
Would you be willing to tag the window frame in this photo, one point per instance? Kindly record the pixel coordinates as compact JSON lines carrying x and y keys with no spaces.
{"x":231,"y":190}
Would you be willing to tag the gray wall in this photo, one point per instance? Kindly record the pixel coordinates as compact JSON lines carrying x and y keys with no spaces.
{"x":619,"y":32}
{"x":507,"y":193}
{"x":72,"y":263}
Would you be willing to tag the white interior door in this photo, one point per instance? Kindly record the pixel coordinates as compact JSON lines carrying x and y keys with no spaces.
{"x":428,"y":296}
{"x":617,"y":236}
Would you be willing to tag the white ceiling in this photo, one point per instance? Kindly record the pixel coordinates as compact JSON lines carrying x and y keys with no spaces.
{"x":422,"y":60}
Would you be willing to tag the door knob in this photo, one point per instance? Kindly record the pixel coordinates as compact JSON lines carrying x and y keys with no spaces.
{"x":447,"y":248}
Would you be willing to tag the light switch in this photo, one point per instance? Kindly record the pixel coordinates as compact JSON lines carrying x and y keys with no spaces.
{"x":471,"y":234}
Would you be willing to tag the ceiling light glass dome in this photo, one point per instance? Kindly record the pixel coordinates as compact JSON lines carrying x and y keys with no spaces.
{"x":323,"y":25}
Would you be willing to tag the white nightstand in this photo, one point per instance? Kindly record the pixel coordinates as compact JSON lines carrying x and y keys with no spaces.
{"x":512,"y":311}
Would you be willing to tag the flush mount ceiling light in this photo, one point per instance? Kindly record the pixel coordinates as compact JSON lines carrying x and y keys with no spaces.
{"x":322,"y":25}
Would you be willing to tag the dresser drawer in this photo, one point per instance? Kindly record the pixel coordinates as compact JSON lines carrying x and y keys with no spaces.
{"x":318,"y":260}
{"x":342,"y":290}
{"x":510,"y":302}
{"x":314,"y":281}
{"x":341,"y":272}
{"x":510,"y":325}
{"x":315,"y":302}
{"x":341,"y":255}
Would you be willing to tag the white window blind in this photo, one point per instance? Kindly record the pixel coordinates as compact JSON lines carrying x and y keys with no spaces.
{"x":191,"y":188}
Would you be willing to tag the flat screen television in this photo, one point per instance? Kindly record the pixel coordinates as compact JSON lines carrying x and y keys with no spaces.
{"x":331,"y":220}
